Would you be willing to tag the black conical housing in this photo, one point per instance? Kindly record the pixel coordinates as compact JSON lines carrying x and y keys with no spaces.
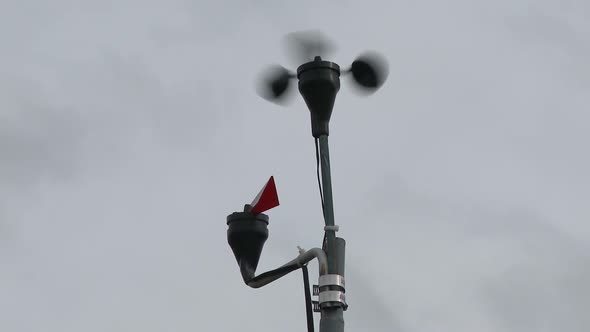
{"x":246,"y":235}
{"x":319,"y":82}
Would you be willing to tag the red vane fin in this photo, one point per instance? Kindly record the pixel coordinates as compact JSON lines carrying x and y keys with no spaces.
{"x":266,"y":199}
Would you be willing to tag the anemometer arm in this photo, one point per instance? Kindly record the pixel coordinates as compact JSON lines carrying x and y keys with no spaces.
{"x":303,"y":258}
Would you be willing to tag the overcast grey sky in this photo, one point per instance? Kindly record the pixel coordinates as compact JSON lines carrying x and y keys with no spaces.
{"x":130,"y":129}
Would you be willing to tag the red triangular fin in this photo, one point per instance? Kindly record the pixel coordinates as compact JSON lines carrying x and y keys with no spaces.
{"x":266,"y":199}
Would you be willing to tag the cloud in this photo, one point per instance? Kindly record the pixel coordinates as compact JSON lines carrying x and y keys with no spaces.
{"x":445,"y":262}
{"x":128,"y":132}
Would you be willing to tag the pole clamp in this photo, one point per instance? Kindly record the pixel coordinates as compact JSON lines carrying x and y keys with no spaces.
{"x":332,"y":280}
{"x":334,"y":228}
{"x":330,"y":291}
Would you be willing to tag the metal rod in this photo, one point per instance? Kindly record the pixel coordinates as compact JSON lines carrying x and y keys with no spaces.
{"x":303,"y":258}
{"x":327,"y":183}
{"x":310,"y":254}
{"x":332,"y":318}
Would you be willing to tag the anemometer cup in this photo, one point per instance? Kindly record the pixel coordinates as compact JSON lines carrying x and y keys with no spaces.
{"x":246,"y":235}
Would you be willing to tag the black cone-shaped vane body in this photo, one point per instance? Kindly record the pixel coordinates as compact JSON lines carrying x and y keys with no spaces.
{"x":246,"y":235}
{"x":319,"y":82}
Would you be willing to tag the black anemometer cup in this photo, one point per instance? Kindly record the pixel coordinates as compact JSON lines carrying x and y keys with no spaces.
{"x":246,"y":235}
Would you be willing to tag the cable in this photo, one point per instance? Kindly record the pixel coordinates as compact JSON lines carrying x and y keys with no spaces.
{"x":308,"y":304}
{"x":317,"y":158}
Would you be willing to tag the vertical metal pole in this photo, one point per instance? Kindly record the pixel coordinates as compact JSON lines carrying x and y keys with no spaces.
{"x":332,"y":318}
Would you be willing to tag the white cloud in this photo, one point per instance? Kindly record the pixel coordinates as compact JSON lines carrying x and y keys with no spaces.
{"x":129,"y":131}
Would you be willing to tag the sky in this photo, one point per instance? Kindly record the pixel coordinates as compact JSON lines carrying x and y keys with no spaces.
{"x":130,"y":129}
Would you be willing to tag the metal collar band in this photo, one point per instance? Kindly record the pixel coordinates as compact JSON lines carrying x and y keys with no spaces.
{"x":332,"y":280}
{"x":331,"y":291}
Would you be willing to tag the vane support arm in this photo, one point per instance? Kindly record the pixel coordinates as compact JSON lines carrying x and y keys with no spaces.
{"x":303,"y":258}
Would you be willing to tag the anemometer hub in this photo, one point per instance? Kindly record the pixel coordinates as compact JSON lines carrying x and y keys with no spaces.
{"x":319,"y":82}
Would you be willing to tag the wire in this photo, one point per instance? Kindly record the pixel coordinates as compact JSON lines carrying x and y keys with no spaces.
{"x":317,"y":158}
{"x":308,"y":304}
